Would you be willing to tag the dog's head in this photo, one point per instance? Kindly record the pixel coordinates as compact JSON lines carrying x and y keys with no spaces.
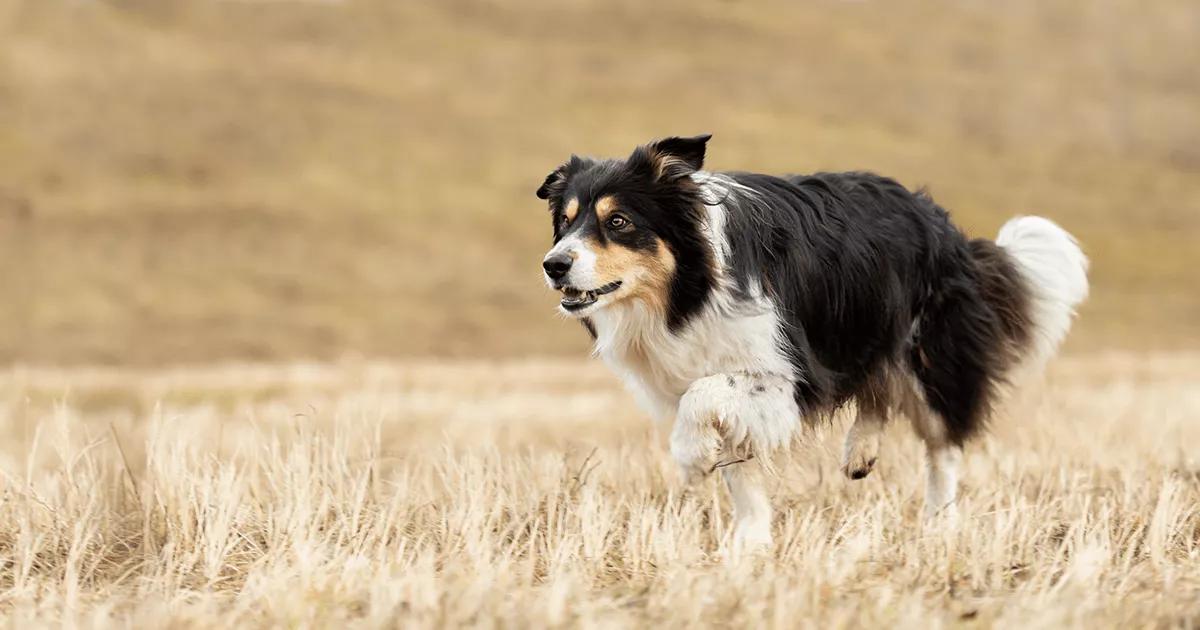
{"x":630,"y":230}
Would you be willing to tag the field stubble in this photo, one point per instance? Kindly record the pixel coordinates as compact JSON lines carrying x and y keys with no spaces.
{"x":533,"y":493}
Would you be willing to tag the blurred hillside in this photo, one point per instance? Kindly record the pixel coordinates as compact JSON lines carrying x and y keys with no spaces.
{"x":184,"y":182}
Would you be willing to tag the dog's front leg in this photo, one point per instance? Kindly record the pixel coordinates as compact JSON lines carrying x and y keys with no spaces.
{"x":735,"y":421}
{"x":697,"y":437}
{"x":751,"y":506}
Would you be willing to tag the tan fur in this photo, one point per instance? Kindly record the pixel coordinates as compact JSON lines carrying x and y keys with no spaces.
{"x":571,"y":210}
{"x":605,"y":206}
{"x":614,"y":261}
{"x":655,"y":268}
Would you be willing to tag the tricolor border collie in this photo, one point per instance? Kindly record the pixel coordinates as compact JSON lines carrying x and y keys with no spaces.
{"x":735,"y":305}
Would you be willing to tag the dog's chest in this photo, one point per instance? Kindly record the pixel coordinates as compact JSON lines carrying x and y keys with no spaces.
{"x":657,"y":376}
{"x":658,"y":365}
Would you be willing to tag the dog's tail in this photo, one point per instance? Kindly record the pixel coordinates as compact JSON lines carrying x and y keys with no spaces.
{"x":1033,"y":277}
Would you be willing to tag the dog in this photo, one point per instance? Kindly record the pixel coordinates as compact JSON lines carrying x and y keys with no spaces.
{"x":738,"y":305}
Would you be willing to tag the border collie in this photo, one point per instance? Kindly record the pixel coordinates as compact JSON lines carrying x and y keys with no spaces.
{"x":736,"y":305}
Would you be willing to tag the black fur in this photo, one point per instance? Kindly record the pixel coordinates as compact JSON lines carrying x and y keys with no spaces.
{"x":663,"y":204}
{"x":871,"y":280}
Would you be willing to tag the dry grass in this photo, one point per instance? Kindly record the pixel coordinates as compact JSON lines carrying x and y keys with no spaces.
{"x":532,"y":494}
{"x":200,"y":181}
{"x":187,"y":181}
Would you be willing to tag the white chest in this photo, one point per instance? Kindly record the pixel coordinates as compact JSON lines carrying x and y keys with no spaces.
{"x":658,"y":366}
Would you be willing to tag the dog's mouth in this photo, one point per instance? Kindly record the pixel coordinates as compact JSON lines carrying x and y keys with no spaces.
{"x":577,"y":299}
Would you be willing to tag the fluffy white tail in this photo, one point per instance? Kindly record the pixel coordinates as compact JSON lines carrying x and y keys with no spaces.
{"x":1055,"y":270}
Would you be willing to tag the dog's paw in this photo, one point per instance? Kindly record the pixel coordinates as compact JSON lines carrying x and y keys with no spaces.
{"x":695,"y":449}
{"x":860,"y":456}
{"x":858,"y":467}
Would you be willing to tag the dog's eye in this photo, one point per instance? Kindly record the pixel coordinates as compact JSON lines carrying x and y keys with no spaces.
{"x":617,"y":222}
{"x":563,"y":221}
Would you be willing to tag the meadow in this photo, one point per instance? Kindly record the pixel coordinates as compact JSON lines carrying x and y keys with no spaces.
{"x":532,"y":494}
{"x":275,"y":349}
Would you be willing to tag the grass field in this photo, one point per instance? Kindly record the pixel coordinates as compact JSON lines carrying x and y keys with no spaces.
{"x":531,"y":494}
{"x":254,"y":217}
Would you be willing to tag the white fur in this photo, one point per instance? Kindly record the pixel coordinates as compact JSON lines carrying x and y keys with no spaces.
{"x":583,"y":263}
{"x":751,"y":505}
{"x":636,"y":342}
{"x":714,"y":188}
{"x":724,"y":378}
{"x":735,"y":415}
{"x":942,"y":462}
{"x":728,"y":336}
{"x":1055,"y":269}
{"x":942,"y":458}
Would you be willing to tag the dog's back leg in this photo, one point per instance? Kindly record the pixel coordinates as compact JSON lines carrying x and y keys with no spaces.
{"x":874,"y":406}
{"x":862,"y":441}
{"x":943,"y":455}
{"x":958,"y":354}
{"x":943,"y":459}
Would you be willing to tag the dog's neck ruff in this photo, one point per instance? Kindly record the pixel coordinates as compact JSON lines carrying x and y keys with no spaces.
{"x":734,"y":332}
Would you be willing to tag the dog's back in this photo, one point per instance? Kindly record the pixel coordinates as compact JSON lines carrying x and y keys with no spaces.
{"x":875,"y":281}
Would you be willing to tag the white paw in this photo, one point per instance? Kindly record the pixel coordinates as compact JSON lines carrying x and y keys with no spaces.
{"x":860,"y":455}
{"x":695,"y":448}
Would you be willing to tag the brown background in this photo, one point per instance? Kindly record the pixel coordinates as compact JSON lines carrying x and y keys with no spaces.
{"x":186,"y":182}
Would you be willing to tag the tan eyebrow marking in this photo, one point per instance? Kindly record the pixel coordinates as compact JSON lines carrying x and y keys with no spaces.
{"x":571,"y":209}
{"x":605,"y":206}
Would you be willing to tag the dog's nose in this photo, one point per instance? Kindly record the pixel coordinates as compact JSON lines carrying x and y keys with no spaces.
{"x":557,"y":266}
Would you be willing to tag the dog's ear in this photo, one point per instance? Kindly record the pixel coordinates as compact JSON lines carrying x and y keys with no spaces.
{"x":556,"y":181}
{"x":553,"y":180}
{"x":672,"y":158}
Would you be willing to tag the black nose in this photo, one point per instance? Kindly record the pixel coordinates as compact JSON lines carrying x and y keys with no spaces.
{"x":557,"y":266}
